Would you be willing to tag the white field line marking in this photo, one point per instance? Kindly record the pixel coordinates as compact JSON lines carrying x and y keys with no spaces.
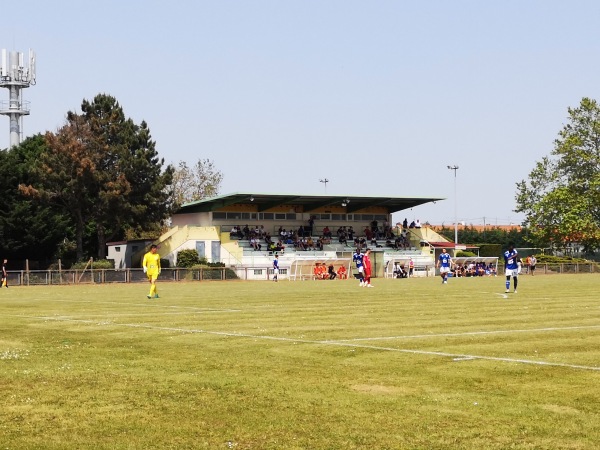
{"x":468,"y":333}
{"x":157,"y":314}
{"x":152,"y":305}
{"x":502,"y":295}
{"x":455,"y":356}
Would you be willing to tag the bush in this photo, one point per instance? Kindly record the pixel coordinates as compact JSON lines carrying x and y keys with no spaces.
{"x":208,"y":274}
{"x":492,"y":250}
{"x":100,"y":264}
{"x":550,"y":259}
{"x":189,"y":258}
{"x":463,"y":254}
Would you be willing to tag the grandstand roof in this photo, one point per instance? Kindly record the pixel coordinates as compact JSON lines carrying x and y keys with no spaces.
{"x":308,"y":202}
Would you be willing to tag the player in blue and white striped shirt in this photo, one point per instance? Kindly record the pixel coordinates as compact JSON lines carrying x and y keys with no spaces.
{"x":358,"y":260}
{"x":511,"y":263}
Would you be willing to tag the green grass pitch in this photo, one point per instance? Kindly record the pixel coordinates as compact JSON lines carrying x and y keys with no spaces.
{"x":409,"y":364}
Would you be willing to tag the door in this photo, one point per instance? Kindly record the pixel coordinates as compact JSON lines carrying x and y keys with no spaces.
{"x":215,"y":251}
{"x":201,"y":248}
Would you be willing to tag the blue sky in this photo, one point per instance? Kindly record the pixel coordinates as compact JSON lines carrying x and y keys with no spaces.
{"x":378,"y":97}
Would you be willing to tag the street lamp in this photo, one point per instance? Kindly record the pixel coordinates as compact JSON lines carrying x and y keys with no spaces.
{"x":455,"y":168}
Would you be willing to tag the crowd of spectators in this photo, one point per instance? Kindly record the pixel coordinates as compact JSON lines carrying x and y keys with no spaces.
{"x":302,"y":239}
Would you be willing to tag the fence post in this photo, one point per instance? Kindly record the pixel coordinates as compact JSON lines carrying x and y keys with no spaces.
{"x":27,"y":270}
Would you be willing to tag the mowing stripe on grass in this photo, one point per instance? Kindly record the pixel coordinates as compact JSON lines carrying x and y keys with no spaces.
{"x":469,"y":333}
{"x":454,"y":356}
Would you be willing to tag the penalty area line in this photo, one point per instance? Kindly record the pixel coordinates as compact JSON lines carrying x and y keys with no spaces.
{"x":454,"y":356}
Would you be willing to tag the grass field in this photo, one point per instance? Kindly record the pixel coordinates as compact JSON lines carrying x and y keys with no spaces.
{"x":410,"y":364}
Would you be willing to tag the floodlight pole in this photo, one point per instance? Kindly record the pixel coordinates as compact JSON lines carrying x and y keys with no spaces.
{"x":324,"y":181}
{"x":455,"y":168}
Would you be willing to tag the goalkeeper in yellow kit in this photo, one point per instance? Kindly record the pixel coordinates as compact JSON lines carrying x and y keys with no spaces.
{"x":151,"y":266}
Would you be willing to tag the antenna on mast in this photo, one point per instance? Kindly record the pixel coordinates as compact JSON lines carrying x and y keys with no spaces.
{"x":15,"y":75}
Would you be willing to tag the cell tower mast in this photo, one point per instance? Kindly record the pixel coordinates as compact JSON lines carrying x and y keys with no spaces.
{"x":15,"y":76}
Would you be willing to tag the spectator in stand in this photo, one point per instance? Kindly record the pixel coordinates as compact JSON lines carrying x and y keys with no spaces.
{"x":301,"y":231}
{"x":299,"y":244}
{"x":405,"y":223}
{"x":280,"y":247}
{"x":310,"y":244}
{"x":327,"y":232}
{"x":255,"y":243}
{"x":233,"y":232}
{"x":320,"y":244}
{"x":311,"y":224}
{"x":374,"y":228}
{"x":350,"y":233}
{"x":418,"y":224}
{"x":368,"y":233}
{"x":412,"y":224}
{"x":246,"y":232}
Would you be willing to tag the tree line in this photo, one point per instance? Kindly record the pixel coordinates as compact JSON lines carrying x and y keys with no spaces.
{"x":561,"y":197}
{"x":97,"y":179}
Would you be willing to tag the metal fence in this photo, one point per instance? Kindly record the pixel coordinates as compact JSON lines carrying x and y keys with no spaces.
{"x":101,"y":276}
{"x":558,"y":268}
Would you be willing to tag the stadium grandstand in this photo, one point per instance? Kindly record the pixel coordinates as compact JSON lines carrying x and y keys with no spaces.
{"x":245,"y":230}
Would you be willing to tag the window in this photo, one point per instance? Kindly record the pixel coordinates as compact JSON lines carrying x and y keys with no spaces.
{"x":338,"y":217}
{"x":291,"y":216}
{"x":117,"y":249}
{"x":219,"y":215}
{"x":268,"y":216}
{"x":258,"y":271}
{"x":279,"y":216}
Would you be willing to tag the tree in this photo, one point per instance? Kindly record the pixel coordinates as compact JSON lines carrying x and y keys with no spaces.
{"x":28,"y":230}
{"x":135,"y":191}
{"x":104,"y":171}
{"x":201,"y":181}
{"x":561,"y":198}
{"x":63,"y":175}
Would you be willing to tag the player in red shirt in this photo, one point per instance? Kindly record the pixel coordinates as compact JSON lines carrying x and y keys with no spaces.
{"x":367,"y":264}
